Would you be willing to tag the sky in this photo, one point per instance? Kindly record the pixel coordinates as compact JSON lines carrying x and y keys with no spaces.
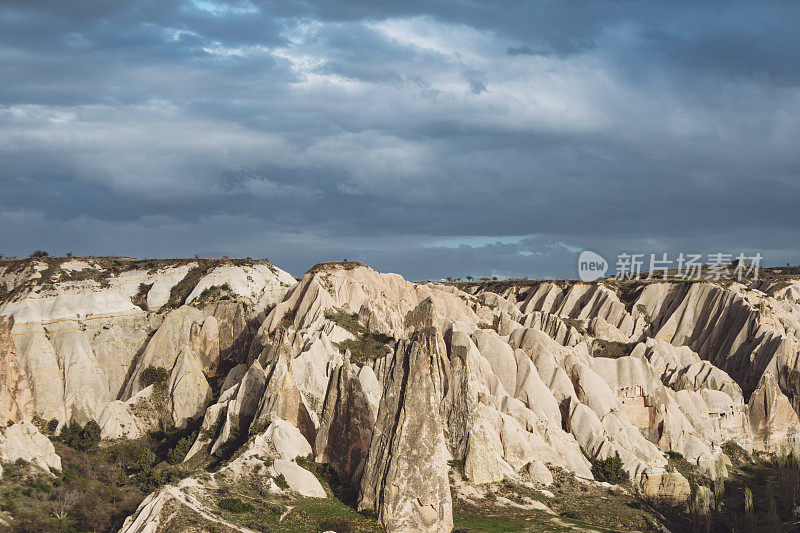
{"x":432,"y":139}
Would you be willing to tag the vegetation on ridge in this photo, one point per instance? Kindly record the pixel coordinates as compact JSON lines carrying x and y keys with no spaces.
{"x":612,"y":349}
{"x":367,"y":346}
{"x":328,"y":266}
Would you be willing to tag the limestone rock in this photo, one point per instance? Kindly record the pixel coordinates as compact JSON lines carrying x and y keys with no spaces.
{"x":348,"y":417}
{"x":286,"y":440}
{"x":16,"y":400}
{"x":299,"y":479}
{"x":539,"y":472}
{"x":771,"y":415}
{"x":39,"y":362}
{"x":406,"y":477}
{"x":23,"y":441}
{"x":136,"y":417}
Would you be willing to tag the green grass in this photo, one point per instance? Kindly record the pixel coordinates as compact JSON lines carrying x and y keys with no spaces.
{"x":576,"y":505}
{"x":306,"y":514}
{"x":478,"y":522}
{"x":367,"y":346}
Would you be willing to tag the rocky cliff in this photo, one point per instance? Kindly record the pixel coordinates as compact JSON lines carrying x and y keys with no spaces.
{"x":413,"y":394}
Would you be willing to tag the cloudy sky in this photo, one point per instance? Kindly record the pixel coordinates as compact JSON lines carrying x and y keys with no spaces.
{"x":427,"y":138}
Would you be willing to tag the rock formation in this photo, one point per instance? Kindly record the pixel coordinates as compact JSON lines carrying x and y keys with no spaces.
{"x":397,"y":386}
{"x":16,"y":400}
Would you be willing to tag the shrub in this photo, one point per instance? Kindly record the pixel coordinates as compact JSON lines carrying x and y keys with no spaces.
{"x":368,"y":513}
{"x":281,"y":482}
{"x":146,"y":459}
{"x":52,"y":426}
{"x":227,"y":449}
{"x":140,"y":298}
{"x":288,"y":319}
{"x":348,"y":321}
{"x":736,"y":452}
{"x":258,"y":426}
{"x":151,"y":479}
{"x":609,"y":470}
{"x":788,"y":484}
{"x":674,"y":455}
{"x":176,"y":455}
{"x":612,"y":349}
{"x":81,"y":438}
{"x":750,"y":519}
{"x":39,"y":254}
{"x":153,"y":375}
{"x":235,"y":505}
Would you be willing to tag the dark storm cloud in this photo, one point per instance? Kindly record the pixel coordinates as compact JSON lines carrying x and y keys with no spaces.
{"x":427,"y":138}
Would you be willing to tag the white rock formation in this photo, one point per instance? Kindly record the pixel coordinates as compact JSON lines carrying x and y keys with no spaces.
{"x":22,"y":441}
{"x":84,"y":330}
{"x":394,"y":383}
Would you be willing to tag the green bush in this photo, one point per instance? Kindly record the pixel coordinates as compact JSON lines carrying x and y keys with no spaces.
{"x":258,"y":426}
{"x":367,"y":346}
{"x":235,"y":505}
{"x":178,"y":453}
{"x":612,"y":349}
{"x":281,"y":482}
{"x":81,"y":438}
{"x":609,"y":470}
{"x":151,"y":479}
{"x":153,"y":375}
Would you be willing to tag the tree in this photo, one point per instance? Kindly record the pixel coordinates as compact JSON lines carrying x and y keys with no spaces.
{"x":81,"y":438}
{"x":177,"y":454}
{"x":695,"y":506}
{"x":65,"y":499}
{"x":788,"y":485}
{"x":39,"y":253}
{"x":609,"y":469}
{"x":718,"y":485}
{"x":773,"y":522}
{"x":750,"y":520}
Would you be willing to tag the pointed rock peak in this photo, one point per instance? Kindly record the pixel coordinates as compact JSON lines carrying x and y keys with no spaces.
{"x":771,"y":414}
{"x":421,"y":317}
{"x":406,"y":477}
